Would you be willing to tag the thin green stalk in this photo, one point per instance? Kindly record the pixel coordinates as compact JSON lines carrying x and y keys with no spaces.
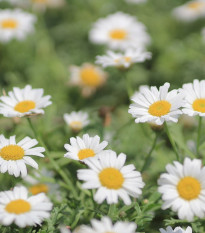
{"x":198,"y":136}
{"x":128,"y":84}
{"x":111,"y":211}
{"x":53,"y":162}
{"x":147,"y":159}
{"x":172,"y":141}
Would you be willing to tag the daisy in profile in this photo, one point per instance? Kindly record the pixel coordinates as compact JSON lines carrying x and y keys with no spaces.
{"x":15,"y":24}
{"x":76,"y":120}
{"x":183,"y":188}
{"x":17,"y":207}
{"x":194,"y":98}
{"x":83,"y":148}
{"x":123,"y":60}
{"x":153,"y":105}
{"x":89,"y":77}
{"x":105,"y":225}
{"x":14,"y":156}
{"x":119,"y":31}
{"x":190,"y":11}
{"x":112,"y":178}
{"x":176,"y":230}
{"x":24,"y":102}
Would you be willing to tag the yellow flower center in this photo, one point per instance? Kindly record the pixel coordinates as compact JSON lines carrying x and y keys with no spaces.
{"x":76,"y":125}
{"x":111,"y":178}
{"x":18,"y":207}
{"x":86,"y":153}
{"x":90,"y":76}
{"x":189,"y":188}
{"x":195,"y":5}
{"x":199,"y":105}
{"x":159,"y":108}
{"x":127,"y":59}
{"x":12,"y":152}
{"x":118,"y":34}
{"x":9,"y":24}
{"x":39,"y":188}
{"x":25,"y":106}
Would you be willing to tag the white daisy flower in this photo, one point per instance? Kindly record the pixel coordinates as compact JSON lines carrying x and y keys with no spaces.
{"x":183,"y":188}
{"x":123,"y":60}
{"x":156,"y":105}
{"x":176,"y":230}
{"x":194,"y":98}
{"x":119,"y":31}
{"x":14,"y":156}
{"x":76,"y":120}
{"x":190,"y":11}
{"x":24,"y":102}
{"x":83,"y":148}
{"x":136,"y":1}
{"x":16,"y":207}
{"x":108,"y":174}
{"x":89,"y":77}
{"x":105,"y":225}
{"x":15,"y":24}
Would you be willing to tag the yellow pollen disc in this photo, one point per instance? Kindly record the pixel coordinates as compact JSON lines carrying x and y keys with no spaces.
{"x":38,"y":188}
{"x":127,"y":59}
{"x":18,"y":207}
{"x":195,"y":5}
{"x":90,"y":76}
{"x":86,"y":153}
{"x":159,"y":108}
{"x":25,"y":106}
{"x":189,"y":188}
{"x":9,"y":24}
{"x":118,"y":34}
{"x":111,"y":178}
{"x":76,"y":125}
{"x":12,"y":152}
{"x":199,"y":105}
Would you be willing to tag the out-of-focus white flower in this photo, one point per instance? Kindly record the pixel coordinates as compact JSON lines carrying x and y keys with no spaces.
{"x":190,"y":11}
{"x":119,"y":31}
{"x":136,"y":1}
{"x":76,"y":120}
{"x":123,"y":60}
{"x":176,"y":230}
{"x":15,"y":24}
{"x":89,"y":77}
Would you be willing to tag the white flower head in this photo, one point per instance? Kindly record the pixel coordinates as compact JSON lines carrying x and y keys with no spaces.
{"x":83,"y":148}
{"x":76,"y":120}
{"x":153,"y":105}
{"x":136,"y":1}
{"x":17,"y":207}
{"x":176,"y":230}
{"x":123,"y":60}
{"x":183,"y":188}
{"x":89,"y":77}
{"x":105,"y":225}
{"x":24,"y":102}
{"x":190,"y":11}
{"x":15,"y":24}
{"x":14,"y":156}
{"x":119,"y":31}
{"x":112,"y":178}
{"x":194,"y":98}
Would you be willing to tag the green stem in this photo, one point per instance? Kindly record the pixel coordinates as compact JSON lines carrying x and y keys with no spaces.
{"x":111,"y":210}
{"x":198,"y":136}
{"x":70,"y":185}
{"x":128,"y":84}
{"x":147,"y":159}
{"x":172,"y":141}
